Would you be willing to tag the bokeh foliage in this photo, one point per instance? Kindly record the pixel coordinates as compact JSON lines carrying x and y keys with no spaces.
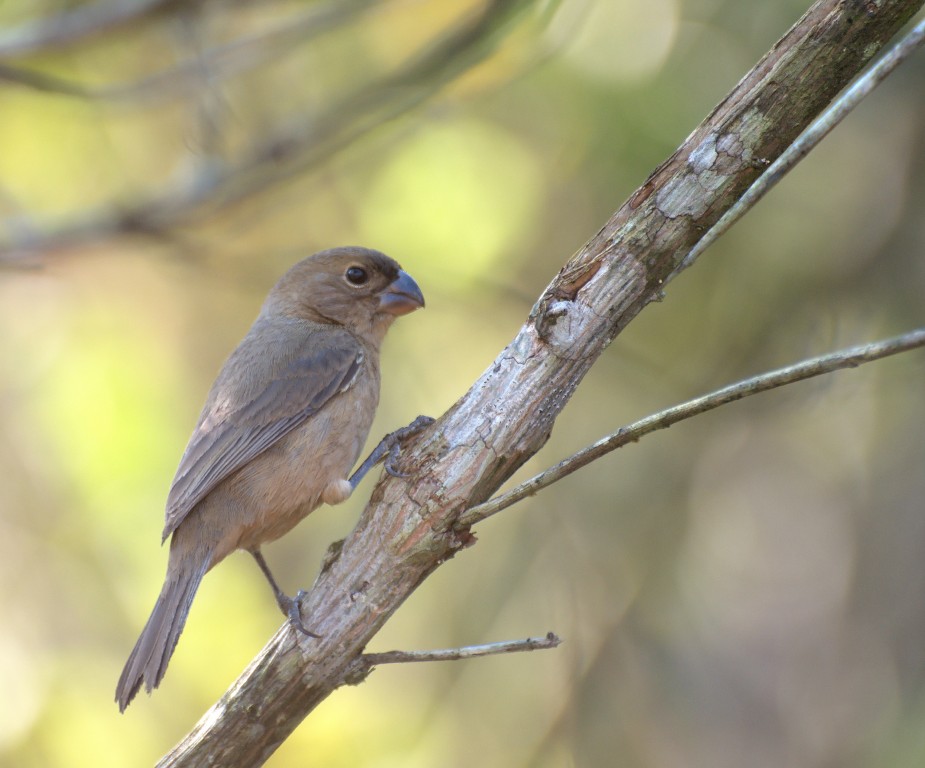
{"x":745,"y":589}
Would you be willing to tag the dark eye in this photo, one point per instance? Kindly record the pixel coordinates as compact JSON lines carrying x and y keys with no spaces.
{"x":356,"y":275}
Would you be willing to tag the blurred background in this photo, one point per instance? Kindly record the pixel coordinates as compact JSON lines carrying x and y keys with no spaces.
{"x":747,"y":588}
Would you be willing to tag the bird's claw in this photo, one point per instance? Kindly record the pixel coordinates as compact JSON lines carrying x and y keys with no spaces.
{"x":389,"y":449}
{"x":395,"y":439}
{"x":389,"y":464}
{"x":293,"y":610}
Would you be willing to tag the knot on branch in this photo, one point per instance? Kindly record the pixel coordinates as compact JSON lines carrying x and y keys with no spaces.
{"x":559,"y":303}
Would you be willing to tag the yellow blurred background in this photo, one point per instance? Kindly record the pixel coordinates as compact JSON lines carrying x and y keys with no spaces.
{"x":745,"y":589}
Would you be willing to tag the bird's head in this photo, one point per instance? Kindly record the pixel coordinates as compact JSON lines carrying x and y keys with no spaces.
{"x":359,"y":288}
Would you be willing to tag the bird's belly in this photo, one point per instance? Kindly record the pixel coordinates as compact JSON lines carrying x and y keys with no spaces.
{"x":285,"y":483}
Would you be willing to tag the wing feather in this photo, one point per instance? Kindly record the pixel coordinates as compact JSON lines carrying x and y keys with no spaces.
{"x":241,"y":420}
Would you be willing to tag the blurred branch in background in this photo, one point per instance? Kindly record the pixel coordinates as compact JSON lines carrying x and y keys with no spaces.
{"x":79,"y":25}
{"x":279,"y":152}
{"x":207,"y":68}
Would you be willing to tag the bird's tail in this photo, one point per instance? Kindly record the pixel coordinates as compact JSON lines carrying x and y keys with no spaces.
{"x":148,"y":660}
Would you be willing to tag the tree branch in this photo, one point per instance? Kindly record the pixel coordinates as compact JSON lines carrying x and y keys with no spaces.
{"x":367,"y":661}
{"x":806,"y":369}
{"x":409,"y":527}
{"x":836,"y":112}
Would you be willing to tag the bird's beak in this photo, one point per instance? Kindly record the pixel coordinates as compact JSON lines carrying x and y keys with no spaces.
{"x":402,"y":296}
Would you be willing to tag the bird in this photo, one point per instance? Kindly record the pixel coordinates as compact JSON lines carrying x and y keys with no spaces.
{"x":282,"y":426}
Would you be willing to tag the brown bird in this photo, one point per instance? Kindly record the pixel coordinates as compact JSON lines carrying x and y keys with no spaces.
{"x":282,"y":426}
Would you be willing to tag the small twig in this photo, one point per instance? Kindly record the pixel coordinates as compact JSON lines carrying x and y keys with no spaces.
{"x":550,"y":640}
{"x":807,"y":141}
{"x":816,"y":366}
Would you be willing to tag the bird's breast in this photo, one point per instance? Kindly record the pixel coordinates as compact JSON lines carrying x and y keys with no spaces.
{"x":286,"y":482}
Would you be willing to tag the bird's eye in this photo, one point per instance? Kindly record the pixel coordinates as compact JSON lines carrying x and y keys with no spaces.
{"x":356,"y":275}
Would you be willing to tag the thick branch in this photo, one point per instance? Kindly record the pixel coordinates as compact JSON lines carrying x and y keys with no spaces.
{"x":800,"y":148}
{"x":408,"y":528}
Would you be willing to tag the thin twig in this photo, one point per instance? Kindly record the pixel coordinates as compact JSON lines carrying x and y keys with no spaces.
{"x":550,"y":640}
{"x":846,"y":358}
{"x":807,"y":141}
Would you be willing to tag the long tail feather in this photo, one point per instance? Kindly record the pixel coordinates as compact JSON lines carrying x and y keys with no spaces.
{"x":148,"y":660}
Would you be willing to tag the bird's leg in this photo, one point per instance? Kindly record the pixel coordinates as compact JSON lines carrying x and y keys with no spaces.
{"x":290,"y":606}
{"x":389,"y":448}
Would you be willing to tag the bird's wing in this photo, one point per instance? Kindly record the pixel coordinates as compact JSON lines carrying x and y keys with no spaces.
{"x":240,"y":423}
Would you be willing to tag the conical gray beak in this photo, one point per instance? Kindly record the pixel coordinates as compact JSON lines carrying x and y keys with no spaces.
{"x":402,"y":296}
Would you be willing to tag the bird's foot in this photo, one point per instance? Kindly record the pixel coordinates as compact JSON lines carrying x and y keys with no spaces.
{"x":292,"y":608}
{"x":396,"y":439}
{"x":389,"y":448}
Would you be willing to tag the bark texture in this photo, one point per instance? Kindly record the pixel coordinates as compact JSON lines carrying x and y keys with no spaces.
{"x":409,"y":527}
